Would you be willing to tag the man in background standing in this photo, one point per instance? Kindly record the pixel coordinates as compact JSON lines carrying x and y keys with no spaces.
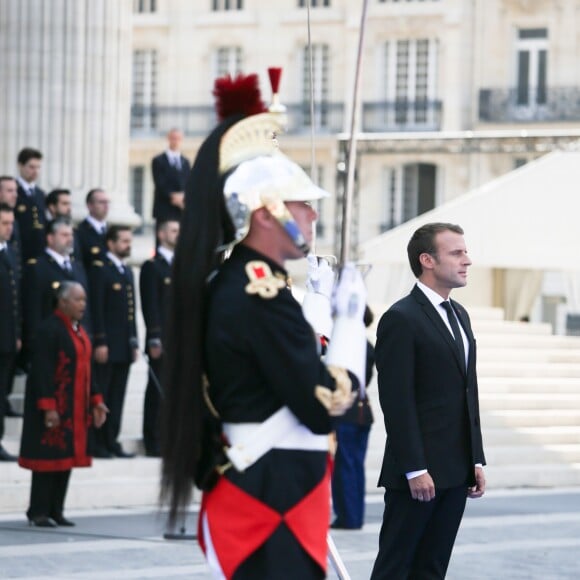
{"x":170,"y":172}
{"x":155,"y":288}
{"x":115,"y":333}
{"x":91,"y":231}
{"x":425,"y":358}
{"x":30,"y":205}
{"x":9,"y":316}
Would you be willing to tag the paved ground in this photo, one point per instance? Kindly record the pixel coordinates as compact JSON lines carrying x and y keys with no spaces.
{"x":516,"y":535}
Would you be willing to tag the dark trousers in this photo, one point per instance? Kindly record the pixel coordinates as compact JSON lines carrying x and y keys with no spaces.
{"x":47,"y":493}
{"x":151,"y":408}
{"x":416,"y":537}
{"x":348,"y":477}
{"x":6,"y":366}
{"x":112,"y":380}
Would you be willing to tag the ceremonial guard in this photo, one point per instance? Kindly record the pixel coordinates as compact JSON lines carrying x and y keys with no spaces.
{"x":115,"y":343}
{"x":44,"y":274}
{"x":91,"y":231}
{"x":265,"y":509}
{"x":61,"y":401}
{"x":9,"y":316}
{"x":30,"y":205}
{"x":155,"y":287}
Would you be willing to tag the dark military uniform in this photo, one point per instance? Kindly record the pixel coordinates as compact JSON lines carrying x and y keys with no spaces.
{"x":168,"y":179}
{"x":9,"y":325}
{"x":261,"y":354}
{"x":155,"y":286}
{"x":42,"y":276}
{"x":113,"y":312}
{"x":91,"y":244}
{"x":30,"y":212}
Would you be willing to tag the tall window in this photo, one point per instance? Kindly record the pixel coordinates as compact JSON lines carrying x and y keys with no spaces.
{"x":220,"y":5}
{"x":144,"y":6}
{"x":144,"y":89}
{"x":313,"y":3}
{"x":137,"y":189}
{"x":228,"y":60}
{"x":531,"y":67}
{"x":320,"y":75}
{"x":409,"y":191}
{"x":410,"y":81}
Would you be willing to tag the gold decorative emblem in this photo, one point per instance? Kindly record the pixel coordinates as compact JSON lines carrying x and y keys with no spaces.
{"x":262,"y":281}
{"x":21,"y":208}
{"x":116,"y":286}
{"x":95,"y":250}
{"x":55,"y":285}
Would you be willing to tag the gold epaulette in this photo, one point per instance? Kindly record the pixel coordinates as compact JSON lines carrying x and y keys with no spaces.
{"x":98,"y":263}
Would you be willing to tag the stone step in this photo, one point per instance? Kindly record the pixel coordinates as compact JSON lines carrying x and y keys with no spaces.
{"x":528,"y":341}
{"x":497,"y":455}
{"x":527,"y":355}
{"x":486,"y":313}
{"x":482,"y":327}
{"x":528,"y":369}
{"x":525,"y":385}
{"x":532,"y":435}
{"x":531,"y":401}
{"x":535,"y":418}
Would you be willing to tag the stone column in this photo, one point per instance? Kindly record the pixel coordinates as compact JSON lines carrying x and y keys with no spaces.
{"x":65,"y":76}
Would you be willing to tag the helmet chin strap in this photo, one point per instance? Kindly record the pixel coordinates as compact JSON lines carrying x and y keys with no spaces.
{"x":284,"y":217}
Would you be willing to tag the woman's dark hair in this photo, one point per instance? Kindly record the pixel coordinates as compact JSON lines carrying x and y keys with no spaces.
{"x":205,"y":226}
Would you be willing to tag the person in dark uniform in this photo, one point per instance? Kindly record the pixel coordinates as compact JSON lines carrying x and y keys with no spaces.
{"x":115,"y":343}
{"x":155,"y":288}
{"x":8,"y":196}
{"x":61,"y":401}
{"x":426,"y":363}
{"x":43,"y":275}
{"x":9,"y":316}
{"x":170,"y":172}
{"x":30,"y":206}
{"x":91,"y":231}
{"x":236,"y":323}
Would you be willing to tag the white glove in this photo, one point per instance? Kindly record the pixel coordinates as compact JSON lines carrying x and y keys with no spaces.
{"x":348,"y":343}
{"x":316,"y":305}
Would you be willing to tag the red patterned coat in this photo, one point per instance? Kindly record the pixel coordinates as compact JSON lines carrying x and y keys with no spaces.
{"x":59,"y":379}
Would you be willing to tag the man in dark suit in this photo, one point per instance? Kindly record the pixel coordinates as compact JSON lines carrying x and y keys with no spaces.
{"x":425,"y":357}
{"x":43,"y":275}
{"x":155,"y":288}
{"x":170,"y":172}
{"x":91,"y":231}
{"x":115,"y":333}
{"x":9,"y":316}
{"x":30,"y":206}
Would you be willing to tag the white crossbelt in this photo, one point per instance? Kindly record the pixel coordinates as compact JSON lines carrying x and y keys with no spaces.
{"x":282,"y":430}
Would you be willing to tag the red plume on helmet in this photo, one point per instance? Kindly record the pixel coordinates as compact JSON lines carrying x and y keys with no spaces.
{"x":238,"y":96}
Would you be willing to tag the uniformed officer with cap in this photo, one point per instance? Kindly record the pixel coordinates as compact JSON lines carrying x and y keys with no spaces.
{"x":265,"y":514}
{"x":115,"y":346}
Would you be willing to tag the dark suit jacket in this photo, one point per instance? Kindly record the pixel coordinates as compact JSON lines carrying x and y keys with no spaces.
{"x":9,"y":303}
{"x":42,"y":276}
{"x":429,"y":400}
{"x":92,"y":244}
{"x":31,"y":216}
{"x":167,"y":179}
{"x":113,"y":310}
{"x":155,"y":288}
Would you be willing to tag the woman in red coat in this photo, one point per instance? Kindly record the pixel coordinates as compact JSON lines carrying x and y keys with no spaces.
{"x":61,"y":403}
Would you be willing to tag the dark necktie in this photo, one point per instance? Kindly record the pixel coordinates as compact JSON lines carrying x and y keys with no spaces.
{"x":455,"y":328}
{"x":67,"y":265}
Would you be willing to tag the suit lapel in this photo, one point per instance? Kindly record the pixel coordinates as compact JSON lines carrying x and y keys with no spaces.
{"x":464,"y":321}
{"x":437,"y":321}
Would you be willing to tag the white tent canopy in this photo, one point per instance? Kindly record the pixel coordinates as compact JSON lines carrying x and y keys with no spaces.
{"x":528,"y":218}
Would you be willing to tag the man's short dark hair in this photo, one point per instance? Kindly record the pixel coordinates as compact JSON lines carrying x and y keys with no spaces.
{"x":53,"y":197}
{"x":4,"y":178}
{"x":91,"y":194}
{"x":4,"y":208}
{"x":423,"y":242}
{"x":54,"y":225}
{"x":113,"y":232}
{"x":27,"y":154}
